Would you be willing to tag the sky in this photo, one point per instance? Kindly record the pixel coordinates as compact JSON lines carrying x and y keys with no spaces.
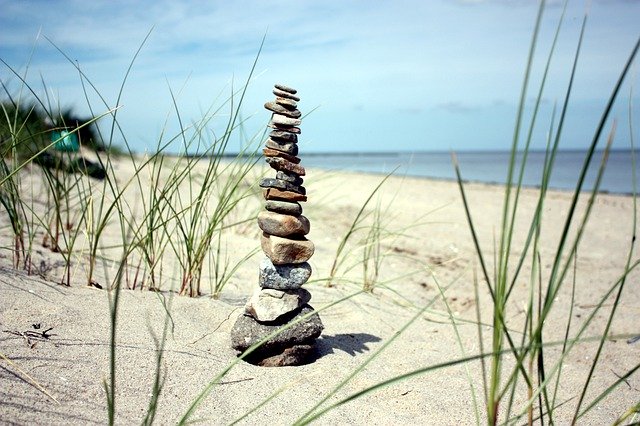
{"x":404,"y":75}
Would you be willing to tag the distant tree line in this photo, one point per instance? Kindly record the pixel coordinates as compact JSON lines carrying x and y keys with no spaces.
{"x":26,"y":129}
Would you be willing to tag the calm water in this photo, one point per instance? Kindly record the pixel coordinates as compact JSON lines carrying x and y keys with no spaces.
{"x":489,"y":167}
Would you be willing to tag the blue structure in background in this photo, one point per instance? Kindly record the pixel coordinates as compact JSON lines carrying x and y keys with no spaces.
{"x":65,"y":141}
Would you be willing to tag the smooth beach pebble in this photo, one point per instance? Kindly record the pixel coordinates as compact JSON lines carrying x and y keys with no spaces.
{"x":287,"y":103}
{"x":283,"y":251}
{"x":284,"y":207}
{"x":285,"y":88}
{"x":280,"y":109}
{"x":289,"y":177}
{"x":286,"y":147}
{"x":268,"y":304}
{"x":289,"y":129}
{"x":284,"y":135}
{"x":268,"y":152}
{"x":283,"y":277}
{"x":282,"y":184}
{"x":280,"y":163}
{"x":277,"y":194}
{"x":283,"y":120}
{"x":283,"y":225}
{"x":282,"y":94}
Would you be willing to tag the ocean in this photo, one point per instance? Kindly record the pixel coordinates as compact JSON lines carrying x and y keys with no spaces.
{"x":487,"y":167}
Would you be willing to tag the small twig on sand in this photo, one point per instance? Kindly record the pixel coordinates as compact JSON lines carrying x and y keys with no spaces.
{"x":30,"y":335}
{"x":30,"y":379}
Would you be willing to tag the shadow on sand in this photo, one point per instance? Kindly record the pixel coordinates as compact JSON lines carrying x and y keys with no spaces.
{"x":349,"y":343}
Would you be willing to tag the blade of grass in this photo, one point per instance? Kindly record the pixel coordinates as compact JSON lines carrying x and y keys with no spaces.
{"x":30,"y":379}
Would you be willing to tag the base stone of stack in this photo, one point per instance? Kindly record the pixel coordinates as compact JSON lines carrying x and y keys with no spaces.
{"x":295,"y":355}
{"x":247,"y":332}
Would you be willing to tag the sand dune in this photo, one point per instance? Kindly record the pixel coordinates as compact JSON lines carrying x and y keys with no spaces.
{"x":431,"y":246}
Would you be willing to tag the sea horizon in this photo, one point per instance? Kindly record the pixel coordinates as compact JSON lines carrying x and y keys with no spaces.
{"x":483,"y":166}
{"x":487,"y":166}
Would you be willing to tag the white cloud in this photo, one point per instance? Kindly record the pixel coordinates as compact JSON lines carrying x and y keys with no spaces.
{"x":401,"y":55}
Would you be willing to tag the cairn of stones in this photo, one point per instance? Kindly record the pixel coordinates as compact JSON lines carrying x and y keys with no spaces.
{"x":280,"y":298}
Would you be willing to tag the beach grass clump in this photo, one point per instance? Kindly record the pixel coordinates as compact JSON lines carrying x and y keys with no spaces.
{"x":526,"y":356}
{"x":369,"y":242}
{"x":187,"y":201}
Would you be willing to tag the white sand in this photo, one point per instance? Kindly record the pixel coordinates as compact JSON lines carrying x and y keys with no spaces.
{"x":436,"y":247}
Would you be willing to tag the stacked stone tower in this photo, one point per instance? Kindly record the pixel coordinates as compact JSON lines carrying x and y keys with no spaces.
{"x":280,"y":299}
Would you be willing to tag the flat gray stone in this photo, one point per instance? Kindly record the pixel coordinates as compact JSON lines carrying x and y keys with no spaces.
{"x":290,"y":148}
{"x":283,"y":135}
{"x":283,"y":94}
{"x":282,"y":184}
{"x":289,"y":177}
{"x":284,"y":127}
{"x":281,"y":109}
{"x":284,"y":207}
{"x":268,"y":152}
{"x":268,"y":304}
{"x":283,"y":277}
{"x":287,"y":103}
{"x":247,"y":331}
{"x":286,"y":88}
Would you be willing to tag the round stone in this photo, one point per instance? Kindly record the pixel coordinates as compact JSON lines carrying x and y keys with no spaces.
{"x":283,"y":277}
{"x":283,"y":225}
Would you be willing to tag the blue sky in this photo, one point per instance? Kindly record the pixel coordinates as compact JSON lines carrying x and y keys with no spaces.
{"x":378,"y":75}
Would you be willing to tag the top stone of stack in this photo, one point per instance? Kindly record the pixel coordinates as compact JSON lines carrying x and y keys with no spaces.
{"x":286,"y":89}
{"x":285,"y":92}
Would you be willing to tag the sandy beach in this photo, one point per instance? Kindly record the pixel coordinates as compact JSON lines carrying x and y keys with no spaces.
{"x":427,"y":260}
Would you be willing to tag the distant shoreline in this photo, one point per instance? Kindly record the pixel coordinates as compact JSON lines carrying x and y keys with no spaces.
{"x":486,"y":167}
{"x":425,"y":152}
{"x":472,"y":181}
